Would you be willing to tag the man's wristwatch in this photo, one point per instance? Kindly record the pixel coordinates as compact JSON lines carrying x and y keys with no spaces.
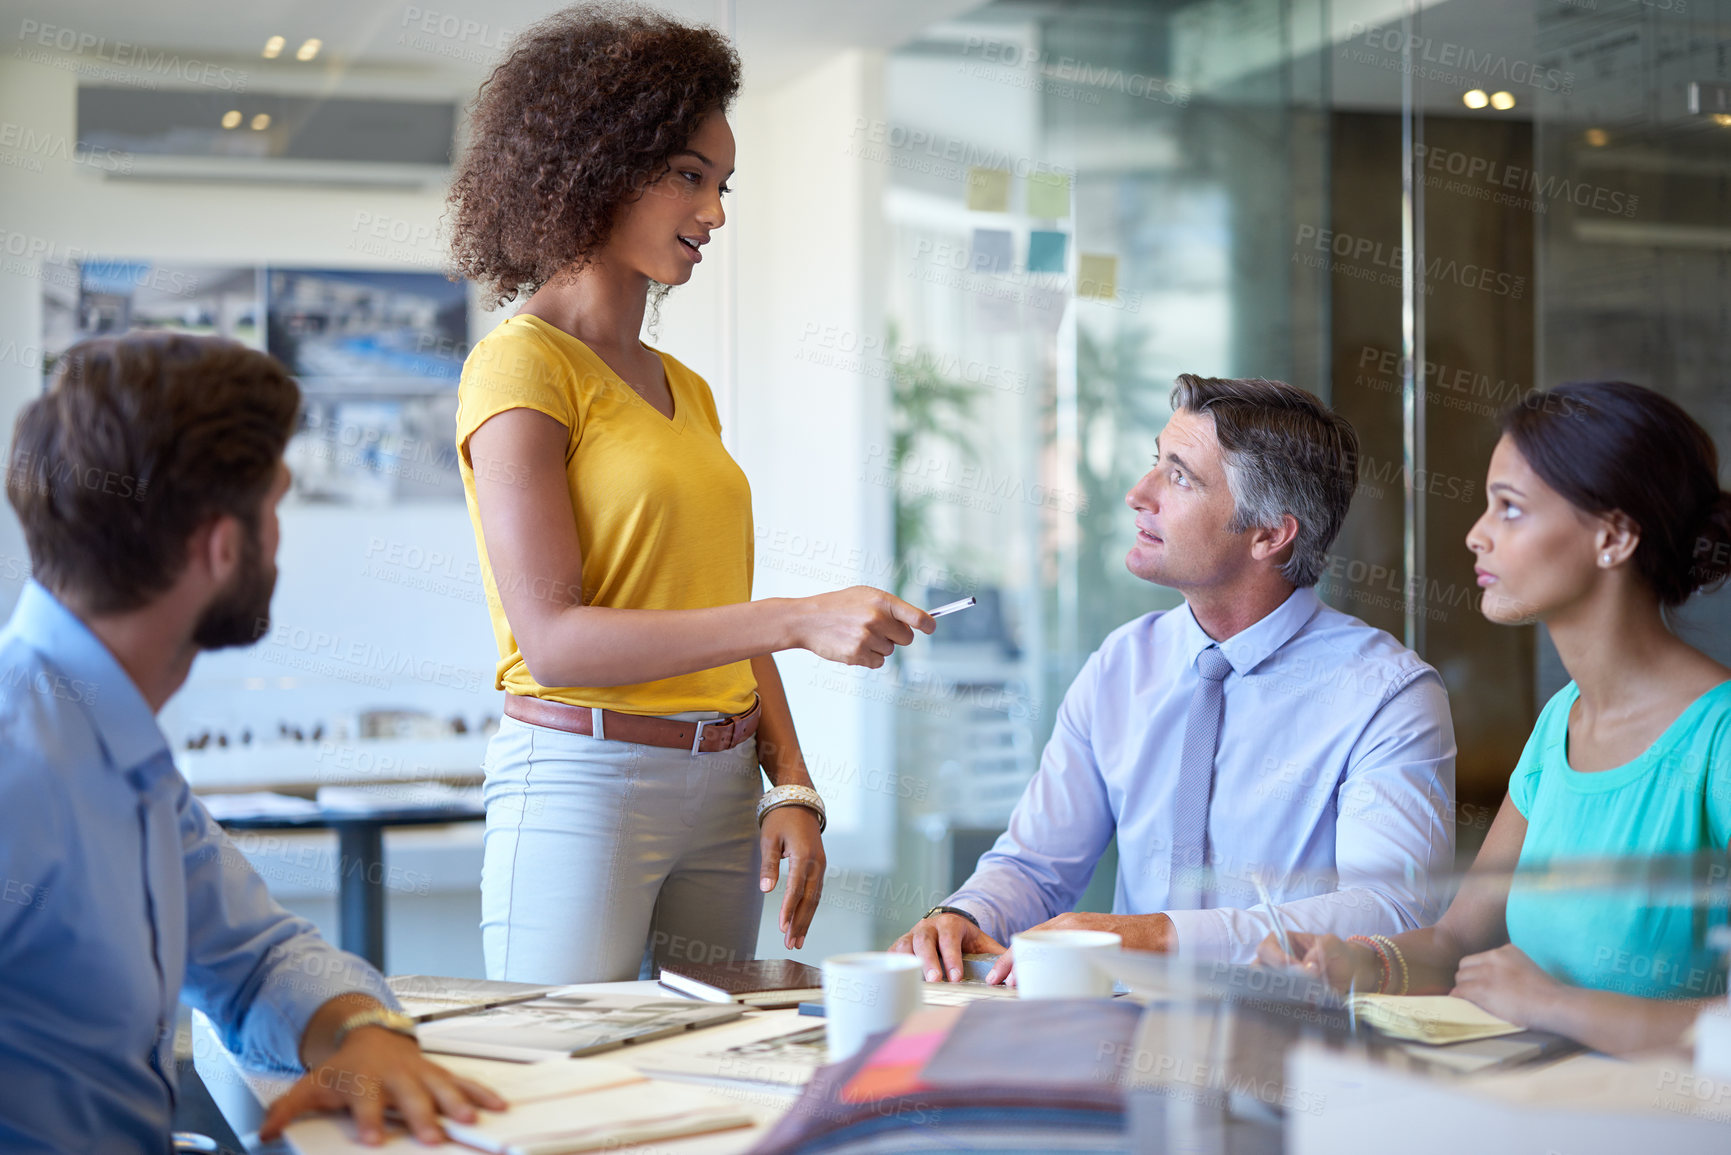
{"x":373,"y":1017}
{"x":937,"y":910}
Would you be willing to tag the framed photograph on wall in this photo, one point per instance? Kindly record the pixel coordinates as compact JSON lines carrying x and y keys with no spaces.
{"x":358,"y":333}
{"x":89,"y":298}
{"x":377,"y":354}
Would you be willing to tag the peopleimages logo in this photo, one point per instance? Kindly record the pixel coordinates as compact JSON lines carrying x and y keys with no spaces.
{"x":128,"y":55}
{"x":1369,"y":259}
{"x":963,"y":155}
{"x":1487,"y":171}
{"x":1067,"y":75}
{"x":1446,"y":61}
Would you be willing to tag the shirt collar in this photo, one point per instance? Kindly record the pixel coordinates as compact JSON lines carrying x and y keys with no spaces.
{"x":1250,"y":647}
{"x":94,"y":680}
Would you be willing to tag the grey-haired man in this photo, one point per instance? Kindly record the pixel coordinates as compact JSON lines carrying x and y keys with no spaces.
{"x":1253,"y":730}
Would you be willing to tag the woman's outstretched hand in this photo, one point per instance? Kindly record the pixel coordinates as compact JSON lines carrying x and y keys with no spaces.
{"x":858,"y":626}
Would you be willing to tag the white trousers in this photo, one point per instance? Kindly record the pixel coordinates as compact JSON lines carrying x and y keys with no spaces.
{"x":604,"y":860}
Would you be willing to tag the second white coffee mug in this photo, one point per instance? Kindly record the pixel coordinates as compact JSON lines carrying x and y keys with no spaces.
{"x":1064,"y":964}
{"x":864,"y":993}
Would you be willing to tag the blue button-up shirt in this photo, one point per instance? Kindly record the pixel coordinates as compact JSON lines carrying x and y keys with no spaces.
{"x":1334,"y":783}
{"x":120,"y":897}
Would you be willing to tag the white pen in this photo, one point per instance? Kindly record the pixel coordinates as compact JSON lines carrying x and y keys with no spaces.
{"x":951,"y":608}
{"x":1273,"y":915}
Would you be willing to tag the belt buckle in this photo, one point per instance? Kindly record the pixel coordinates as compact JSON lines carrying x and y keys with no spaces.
{"x":697,"y":738}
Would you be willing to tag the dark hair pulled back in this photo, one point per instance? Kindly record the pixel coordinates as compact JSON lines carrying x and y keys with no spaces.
{"x":1610,"y":446}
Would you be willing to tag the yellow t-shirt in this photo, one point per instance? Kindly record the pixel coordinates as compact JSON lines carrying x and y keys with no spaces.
{"x":663,"y":511}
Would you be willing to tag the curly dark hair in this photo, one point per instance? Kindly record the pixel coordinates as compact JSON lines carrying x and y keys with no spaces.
{"x":583,"y":114}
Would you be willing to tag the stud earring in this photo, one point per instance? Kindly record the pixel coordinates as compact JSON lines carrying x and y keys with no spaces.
{"x":1604,"y":559}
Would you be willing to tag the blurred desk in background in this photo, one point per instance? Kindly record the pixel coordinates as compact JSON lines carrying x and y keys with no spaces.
{"x":361,"y":871}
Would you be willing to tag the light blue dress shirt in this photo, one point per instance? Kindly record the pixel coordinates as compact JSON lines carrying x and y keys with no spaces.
{"x":120,"y":897}
{"x":1334,"y":782}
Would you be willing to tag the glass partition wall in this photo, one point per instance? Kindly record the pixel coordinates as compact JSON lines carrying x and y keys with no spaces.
{"x":1419,"y":211}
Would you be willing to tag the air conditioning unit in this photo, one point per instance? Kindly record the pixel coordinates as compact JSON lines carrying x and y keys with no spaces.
{"x":274,"y":137}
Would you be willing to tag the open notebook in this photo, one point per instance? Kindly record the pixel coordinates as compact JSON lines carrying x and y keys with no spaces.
{"x":1430,"y":1018}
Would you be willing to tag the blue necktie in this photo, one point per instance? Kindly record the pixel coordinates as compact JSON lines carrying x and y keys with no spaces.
{"x":1196,"y":779}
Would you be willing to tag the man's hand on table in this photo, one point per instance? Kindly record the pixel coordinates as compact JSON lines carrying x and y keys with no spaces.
{"x":1153,"y":932}
{"x":375,"y":1069}
{"x":940,"y":942}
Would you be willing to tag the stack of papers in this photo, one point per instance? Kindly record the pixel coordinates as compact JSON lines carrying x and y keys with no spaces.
{"x":1430,"y":1018}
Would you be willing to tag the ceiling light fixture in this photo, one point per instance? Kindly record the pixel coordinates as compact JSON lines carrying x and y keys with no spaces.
{"x":261,"y":122}
{"x":309,"y":50}
{"x":1598,"y":137}
{"x":1502,"y":101}
{"x":273,"y":48}
{"x":231,"y":118}
{"x":1475,"y":98}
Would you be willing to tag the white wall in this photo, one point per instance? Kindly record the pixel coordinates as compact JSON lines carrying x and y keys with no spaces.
{"x":71,"y":209}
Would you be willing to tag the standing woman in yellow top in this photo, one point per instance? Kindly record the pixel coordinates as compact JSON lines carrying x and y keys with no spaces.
{"x":627,"y":826}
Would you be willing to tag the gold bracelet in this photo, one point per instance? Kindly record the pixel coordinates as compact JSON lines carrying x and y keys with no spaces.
{"x":1384,"y":968}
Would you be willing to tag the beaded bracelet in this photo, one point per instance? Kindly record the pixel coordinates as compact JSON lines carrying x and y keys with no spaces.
{"x":1384,"y":968}
{"x":1398,"y":957}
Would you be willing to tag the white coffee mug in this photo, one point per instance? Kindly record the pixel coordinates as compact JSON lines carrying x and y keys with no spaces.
{"x":1064,"y":964}
{"x":864,"y":993}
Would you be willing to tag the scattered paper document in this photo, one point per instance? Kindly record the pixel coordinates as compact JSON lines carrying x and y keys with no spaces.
{"x":428,"y":997}
{"x":568,"y":1025}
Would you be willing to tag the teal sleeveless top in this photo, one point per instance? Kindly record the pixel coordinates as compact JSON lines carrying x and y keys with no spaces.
{"x":1675,"y":798}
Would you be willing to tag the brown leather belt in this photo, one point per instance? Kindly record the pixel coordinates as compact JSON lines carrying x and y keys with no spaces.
{"x":705,"y":737}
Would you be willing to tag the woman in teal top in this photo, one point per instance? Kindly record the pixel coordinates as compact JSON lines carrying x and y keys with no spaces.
{"x":1674,"y":798}
{"x":1603,"y":513}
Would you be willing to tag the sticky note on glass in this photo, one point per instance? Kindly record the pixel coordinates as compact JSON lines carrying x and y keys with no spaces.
{"x":1046,"y":251}
{"x":1048,"y":195}
{"x":1097,"y":276}
{"x":989,"y":190}
{"x":991,"y":251}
